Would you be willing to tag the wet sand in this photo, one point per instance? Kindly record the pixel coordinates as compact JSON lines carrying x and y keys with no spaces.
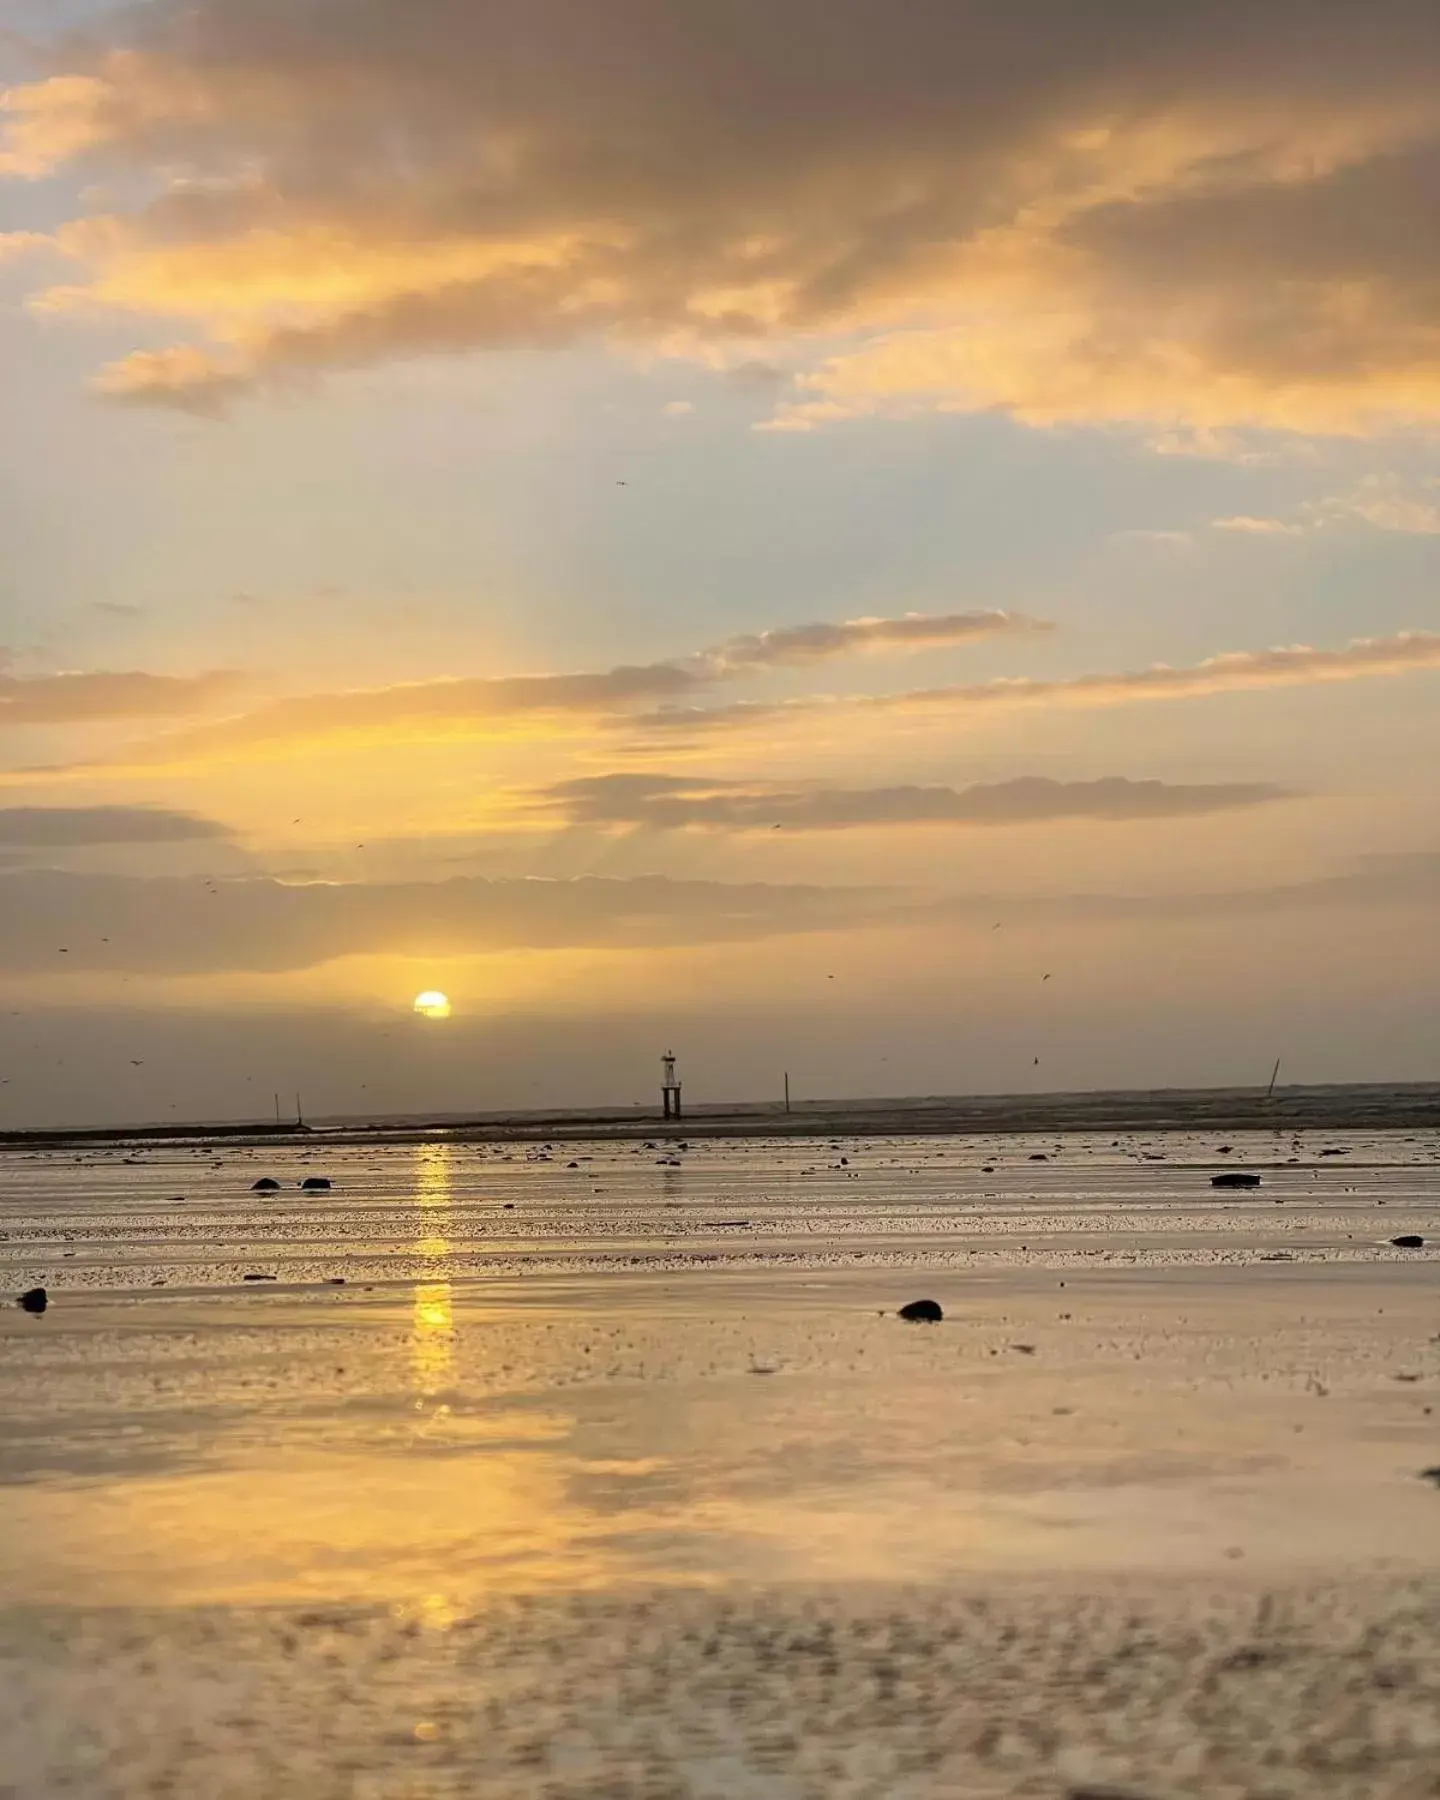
{"x":624,"y":1478}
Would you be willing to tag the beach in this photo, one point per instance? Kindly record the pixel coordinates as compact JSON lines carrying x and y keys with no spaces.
{"x":609,"y":1469}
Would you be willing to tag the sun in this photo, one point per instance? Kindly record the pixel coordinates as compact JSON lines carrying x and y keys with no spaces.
{"x":433,"y":1004}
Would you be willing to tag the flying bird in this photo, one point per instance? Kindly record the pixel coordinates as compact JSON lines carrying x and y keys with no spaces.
{"x":1044,"y":977}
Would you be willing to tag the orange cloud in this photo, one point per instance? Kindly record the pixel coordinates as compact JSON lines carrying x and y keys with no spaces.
{"x":1182,"y":215}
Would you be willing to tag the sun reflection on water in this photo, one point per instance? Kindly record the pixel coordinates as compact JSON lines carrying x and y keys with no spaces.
{"x":432,"y":1335}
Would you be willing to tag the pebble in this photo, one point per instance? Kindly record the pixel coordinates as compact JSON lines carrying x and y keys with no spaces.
{"x":35,"y":1300}
{"x":922,"y":1312}
{"x":1408,"y":1241}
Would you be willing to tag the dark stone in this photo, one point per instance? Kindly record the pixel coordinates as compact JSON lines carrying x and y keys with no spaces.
{"x":922,"y":1312}
{"x":1038,"y":1156}
{"x":259,"y":1278}
{"x":35,"y":1301}
{"x":316,"y":1184}
{"x":1408,"y":1242}
{"x":267,"y":1184}
{"x":1432,"y":1476}
{"x":1235,"y":1178}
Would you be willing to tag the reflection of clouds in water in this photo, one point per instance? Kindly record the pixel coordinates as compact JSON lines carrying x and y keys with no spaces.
{"x":432,"y":1340}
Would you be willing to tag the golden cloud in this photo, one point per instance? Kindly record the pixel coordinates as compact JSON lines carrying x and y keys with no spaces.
{"x":486,"y":705}
{"x":1187,"y":215}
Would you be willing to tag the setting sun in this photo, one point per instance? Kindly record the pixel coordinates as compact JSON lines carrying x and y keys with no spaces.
{"x":433,"y":1005}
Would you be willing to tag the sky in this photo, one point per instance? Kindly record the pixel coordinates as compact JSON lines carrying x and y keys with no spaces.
{"x":893,"y":540}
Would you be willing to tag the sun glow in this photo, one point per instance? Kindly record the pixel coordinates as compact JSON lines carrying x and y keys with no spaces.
{"x":432,"y":1004}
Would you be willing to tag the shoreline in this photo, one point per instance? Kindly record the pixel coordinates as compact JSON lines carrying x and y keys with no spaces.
{"x":1371,"y":1107}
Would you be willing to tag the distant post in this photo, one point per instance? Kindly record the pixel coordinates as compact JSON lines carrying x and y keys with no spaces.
{"x":670,"y":1086}
{"x":787,"y":1090}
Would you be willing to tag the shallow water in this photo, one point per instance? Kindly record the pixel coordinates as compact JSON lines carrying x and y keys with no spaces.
{"x":646,"y":1402}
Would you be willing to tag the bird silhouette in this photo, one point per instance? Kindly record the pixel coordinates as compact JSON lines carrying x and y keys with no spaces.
{"x":1044,"y":977}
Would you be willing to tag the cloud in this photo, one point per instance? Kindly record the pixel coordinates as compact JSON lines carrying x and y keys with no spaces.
{"x":494,"y":702}
{"x":799,"y":644}
{"x":1191,"y":216}
{"x":181,"y":926}
{"x":671,"y":803}
{"x":171,"y":926}
{"x":76,"y":698}
{"x":1168,"y":540}
{"x":117,"y":609}
{"x":1244,"y":526}
{"x":1408,"y":879}
{"x":1385,"y":502}
{"x":1236,"y":671}
{"x":77,"y":827}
